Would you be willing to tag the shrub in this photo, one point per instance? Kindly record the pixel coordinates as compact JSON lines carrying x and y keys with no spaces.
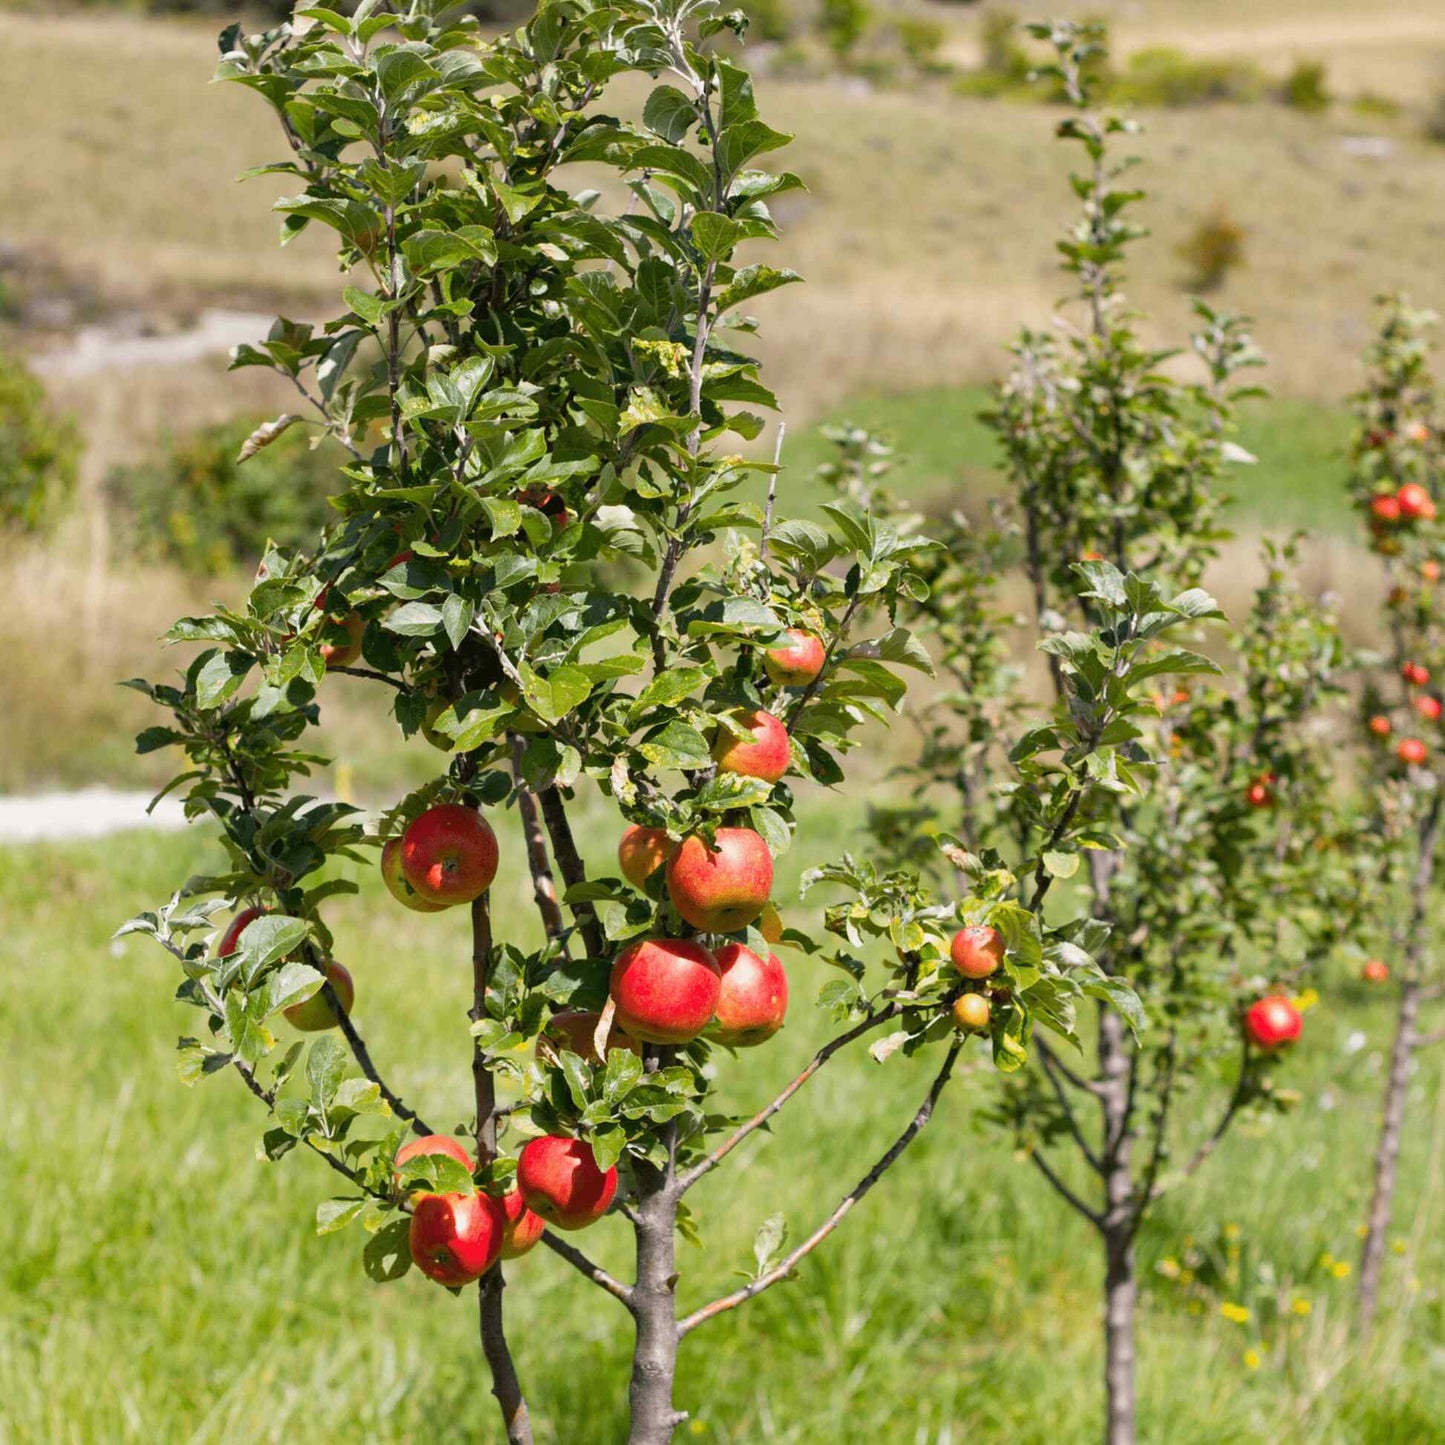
{"x":199,"y":507}
{"x":1003,"y":55}
{"x":1165,"y":76}
{"x":842,"y":24}
{"x":770,"y":20}
{"x":1304,"y":87}
{"x":1212,"y":250}
{"x":39,"y":450}
{"x":921,"y":39}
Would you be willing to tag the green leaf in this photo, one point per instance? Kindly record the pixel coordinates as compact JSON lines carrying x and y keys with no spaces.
{"x":290,"y":984}
{"x":669,"y":114}
{"x":325,"y":1064}
{"x":415,"y":619}
{"x":1060,"y":865}
{"x":335,"y":1214}
{"x":715,"y":235}
{"x":387,"y":1255}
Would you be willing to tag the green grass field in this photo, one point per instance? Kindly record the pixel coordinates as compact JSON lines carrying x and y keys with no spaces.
{"x":161,"y":1284}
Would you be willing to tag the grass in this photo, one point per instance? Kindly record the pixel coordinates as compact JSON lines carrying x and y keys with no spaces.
{"x":159,"y":1283}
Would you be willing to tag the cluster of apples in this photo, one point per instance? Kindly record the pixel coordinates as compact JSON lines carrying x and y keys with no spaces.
{"x":1411,"y":751}
{"x":1390,"y":511}
{"x":977,"y":953}
{"x":457,"y":1237}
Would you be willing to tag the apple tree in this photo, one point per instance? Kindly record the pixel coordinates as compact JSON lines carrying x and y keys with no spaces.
{"x":547,"y":560}
{"x":1397,"y":464}
{"x":1203,"y":868}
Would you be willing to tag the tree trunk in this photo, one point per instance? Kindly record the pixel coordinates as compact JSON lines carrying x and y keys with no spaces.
{"x":1387,"y":1154}
{"x":1121,"y":1296}
{"x":505,"y":1385}
{"x":654,"y":1356}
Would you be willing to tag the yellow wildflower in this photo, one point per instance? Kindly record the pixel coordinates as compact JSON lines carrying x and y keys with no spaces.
{"x":1238,"y":1314}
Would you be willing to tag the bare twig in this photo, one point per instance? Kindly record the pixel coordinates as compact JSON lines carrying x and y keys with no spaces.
{"x":585,"y":1266}
{"x":542,"y":885}
{"x":573,"y":870}
{"x":1063,"y":1190}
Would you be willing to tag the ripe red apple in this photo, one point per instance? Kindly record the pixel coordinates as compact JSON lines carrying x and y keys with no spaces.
{"x":1273,"y":1022}
{"x":665,"y":989}
{"x":344,"y":645}
{"x":1380,"y":725}
{"x":524,"y":1227}
{"x":1375,"y":971}
{"x":431,"y":1144}
{"x":313,"y":1015}
{"x":456,"y":1238}
{"x":971,"y":1013}
{"x":1385,"y":509}
{"x":231,"y":938}
{"x":395,"y":879}
{"x":753,"y":998}
{"x":768,"y":754}
{"x":977,"y":952}
{"x":549,"y":504}
{"x":723,"y":889}
{"x":1259,"y":794}
{"x":575,"y":1031}
{"x":1415,"y":673}
{"x":560,"y":1180}
{"x":449,"y":854}
{"x":1430,"y":570}
{"x":642,"y":852}
{"x":770,"y":924}
{"x":1428,"y":707}
{"x":796,"y":660}
{"x":1412,"y":751}
{"x":1092,"y":555}
{"x":1415,"y":501}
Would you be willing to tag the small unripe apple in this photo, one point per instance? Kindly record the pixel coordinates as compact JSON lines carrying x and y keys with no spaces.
{"x":438,"y":740}
{"x":456,"y":1238}
{"x":431,"y":1144}
{"x":1380,"y":725}
{"x":971,"y":1013}
{"x":1376,"y":970}
{"x":575,"y":1031}
{"x":560,"y":1180}
{"x":1416,"y":674}
{"x":665,"y":989}
{"x":977,"y":952}
{"x":767,"y":754}
{"x":1412,"y":751}
{"x":1415,"y":502}
{"x":1428,"y":707}
{"x":1273,"y":1022}
{"x":753,"y":999}
{"x":796,"y":660}
{"x":524,"y":1227}
{"x":1417,"y":432}
{"x":396,"y":884}
{"x":721,"y":889}
{"x":449,"y":854}
{"x":642,"y":852}
{"x":1385,"y":509}
{"x":344,"y":645}
{"x":315,"y":1014}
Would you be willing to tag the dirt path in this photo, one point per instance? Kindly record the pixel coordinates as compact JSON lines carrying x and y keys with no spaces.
{"x":89,"y":813}
{"x":99,"y":348}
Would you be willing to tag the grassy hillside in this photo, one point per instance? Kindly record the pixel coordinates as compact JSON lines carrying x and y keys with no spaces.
{"x":159,"y":1283}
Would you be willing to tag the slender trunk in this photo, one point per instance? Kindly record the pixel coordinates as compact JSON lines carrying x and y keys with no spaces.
{"x":1387,"y":1154}
{"x":654,"y":1356}
{"x":1121,"y":1296}
{"x":505,"y":1386}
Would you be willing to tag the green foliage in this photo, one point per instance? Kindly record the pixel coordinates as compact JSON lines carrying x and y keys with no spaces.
{"x":199,"y":506}
{"x":842,"y":24}
{"x":1166,"y":77}
{"x":1305,"y":87}
{"x":922,"y":40}
{"x":39,"y":451}
{"x":1213,"y":249}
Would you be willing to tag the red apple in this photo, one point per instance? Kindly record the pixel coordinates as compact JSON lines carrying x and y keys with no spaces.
{"x":1380,"y":725}
{"x":721,"y":889}
{"x":1415,"y":501}
{"x":753,"y":998}
{"x":549,"y":504}
{"x":642,"y":852}
{"x":1385,"y":509}
{"x":344,"y":645}
{"x":796,"y":660}
{"x":971,"y":1013}
{"x":456,"y":1238}
{"x":1412,"y":751}
{"x":1428,"y":707}
{"x":1375,"y":971}
{"x":524,"y":1227}
{"x":977,"y":952}
{"x":560,"y":1180}
{"x":1273,"y":1022}
{"x":395,"y":879}
{"x":1259,"y":794}
{"x":231,"y":938}
{"x":449,"y":854}
{"x":431,"y":1144}
{"x":1430,"y":570}
{"x":766,"y":755}
{"x":575,"y":1031}
{"x":1415,"y":674}
{"x":313,"y":1015}
{"x":665,"y":989}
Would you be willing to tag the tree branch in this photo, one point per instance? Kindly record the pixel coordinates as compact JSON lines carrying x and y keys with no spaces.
{"x":1063,"y":1190}
{"x":586,"y":1267}
{"x":542,"y":885}
{"x":569,"y":863}
{"x":1070,"y":1118}
{"x":782,"y":1270}
{"x":1202,"y":1153}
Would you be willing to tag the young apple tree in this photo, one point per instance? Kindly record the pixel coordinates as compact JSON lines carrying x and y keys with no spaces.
{"x":1207,"y":891}
{"x":1397,"y":465}
{"x":542,"y":560}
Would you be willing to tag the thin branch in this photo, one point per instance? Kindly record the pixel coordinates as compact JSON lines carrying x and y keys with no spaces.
{"x":1063,"y":1190}
{"x":371,"y":675}
{"x":585,"y":1266}
{"x":785,"y":1268}
{"x":705,"y":1166}
{"x":573,"y":870}
{"x":1202,"y":1153}
{"x":1070,"y":1118}
{"x":542,"y":885}
{"x":1088,"y":1086}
